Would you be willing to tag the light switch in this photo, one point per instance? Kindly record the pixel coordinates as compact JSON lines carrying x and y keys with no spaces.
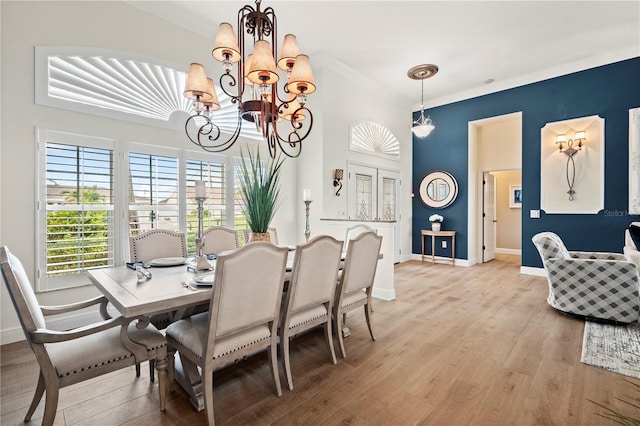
{"x":534,"y":214}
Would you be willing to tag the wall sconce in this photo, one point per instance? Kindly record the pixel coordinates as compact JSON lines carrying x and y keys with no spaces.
{"x":570,"y":151}
{"x":337,"y":180}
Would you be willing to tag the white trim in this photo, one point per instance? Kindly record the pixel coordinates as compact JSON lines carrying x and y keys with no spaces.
{"x":441,"y":260}
{"x":517,"y":252}
{"x":530,"y":270}
{"x":383,"y":294}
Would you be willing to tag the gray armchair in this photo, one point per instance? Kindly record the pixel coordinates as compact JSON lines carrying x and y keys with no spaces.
{"x":591,"y":285}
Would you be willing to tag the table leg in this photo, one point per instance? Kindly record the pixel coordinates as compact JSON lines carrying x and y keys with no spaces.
{"x":453,"y":250}
{"x":433,"y":249}
{"x":187,"y":374}
{"x":422,"y":238}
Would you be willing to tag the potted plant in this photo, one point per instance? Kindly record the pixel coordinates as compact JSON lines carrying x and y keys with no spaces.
{"x":260,"y":188}
{"x":436,"y":221}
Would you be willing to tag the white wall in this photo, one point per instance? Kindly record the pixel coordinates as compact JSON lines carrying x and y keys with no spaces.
{"x":348,"y":98}
{"x":119,"y":26}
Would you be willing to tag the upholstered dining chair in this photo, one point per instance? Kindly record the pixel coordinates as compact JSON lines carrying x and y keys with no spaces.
{"x":156,"y":244}
{"x":218,"y":239}
{"x":273,"y":235}
{"x":242,"y":319}
{"x":310,"y":294}
{"x":356,"y":281}
{"x":591,"y":285}
{"x":355,"y":230}
{"x":69,"y":357}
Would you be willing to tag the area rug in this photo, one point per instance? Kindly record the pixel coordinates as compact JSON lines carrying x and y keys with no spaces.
{"x":614,"y":348}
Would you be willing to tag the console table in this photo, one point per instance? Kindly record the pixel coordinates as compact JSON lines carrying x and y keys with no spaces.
{"x":434,"y":235}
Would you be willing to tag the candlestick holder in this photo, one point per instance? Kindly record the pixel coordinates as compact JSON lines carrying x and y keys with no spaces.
{"x":307,"y":231}
{"x":201,"y":263}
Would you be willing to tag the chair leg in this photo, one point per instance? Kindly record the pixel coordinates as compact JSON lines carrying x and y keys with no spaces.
{"x":328,"y":333}
{"x":152,"y":365}
{"x":367,"y":313}
{"x":161,"y":365}
{"x":37,"y":396}
{"x":137,"y":369}
{"x":273,"y":361}
{"x":339,"y":326}
{"x":50,"y":403}
{"x":284,"y":344}
{"x":171,"y":358}
{"x":207,"y":389}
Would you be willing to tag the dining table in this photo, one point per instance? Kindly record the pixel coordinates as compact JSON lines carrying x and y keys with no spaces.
{"x":170,"y":288}
{"x":173,"y":288}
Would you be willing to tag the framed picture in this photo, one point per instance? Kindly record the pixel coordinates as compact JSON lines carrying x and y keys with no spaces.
{"x":515,"y":196}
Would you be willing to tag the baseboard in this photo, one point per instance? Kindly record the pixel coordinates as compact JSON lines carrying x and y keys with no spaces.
{"x":508,"y":251}
{"x":15,"y":334}
{"x":383,"y":294}
{"x":530,"y":270}
{"x":440,"y":259}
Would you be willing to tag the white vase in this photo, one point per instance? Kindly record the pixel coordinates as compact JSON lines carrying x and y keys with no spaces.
{"x":435,"y":226}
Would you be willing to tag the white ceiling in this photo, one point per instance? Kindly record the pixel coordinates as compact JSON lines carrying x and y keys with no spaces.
{"x":511,"y":42}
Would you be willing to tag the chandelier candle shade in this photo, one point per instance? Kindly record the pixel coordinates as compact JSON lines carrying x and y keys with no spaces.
{"x":423,"y":126}
{"x":276,"y":108}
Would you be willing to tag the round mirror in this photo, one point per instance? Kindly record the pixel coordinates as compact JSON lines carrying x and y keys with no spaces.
{"x":438,"y":189}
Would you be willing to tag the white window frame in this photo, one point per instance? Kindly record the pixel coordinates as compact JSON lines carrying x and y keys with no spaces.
{"x":43,"y":135}
{"x":120,"y":225}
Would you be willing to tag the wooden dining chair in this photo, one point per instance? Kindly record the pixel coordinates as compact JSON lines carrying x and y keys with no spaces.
{"x":355,"y":230}
{"x":219,"y":238}
{"x":156,"y":244}
{"x":242,"y":319}
{"x":273,"y":235}
{"x":69,"y":357}
{"x":356,"y":281}
{"x":310,"y":295}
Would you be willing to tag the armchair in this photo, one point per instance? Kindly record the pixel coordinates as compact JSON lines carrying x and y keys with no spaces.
{"x":594,"y":286}
{"x":632,"y":243}
{"x":69,"y":357}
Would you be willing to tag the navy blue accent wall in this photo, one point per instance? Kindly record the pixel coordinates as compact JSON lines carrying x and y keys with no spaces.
{"x":608,"y":91}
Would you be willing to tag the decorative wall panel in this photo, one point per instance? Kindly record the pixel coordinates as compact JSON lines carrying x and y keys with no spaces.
{"x":634,"y":161}
{"x":557,"y":169}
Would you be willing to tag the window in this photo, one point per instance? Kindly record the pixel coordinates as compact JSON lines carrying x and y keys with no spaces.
{"x":153,"y":193}
{"x":76,"y":208}
{"x":215,"y":206}
{"x":94,"y":193}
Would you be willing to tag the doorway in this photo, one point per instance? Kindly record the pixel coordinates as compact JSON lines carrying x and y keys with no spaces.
{"x":495,"y":147}
{"x":502,"y":219}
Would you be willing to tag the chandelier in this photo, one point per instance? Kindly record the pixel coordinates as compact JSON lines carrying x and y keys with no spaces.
{"x":423,"y":126}
{"x":276,"y":109}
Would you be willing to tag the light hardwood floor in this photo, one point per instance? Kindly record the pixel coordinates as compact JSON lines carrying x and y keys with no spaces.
{"x":459,"y":346}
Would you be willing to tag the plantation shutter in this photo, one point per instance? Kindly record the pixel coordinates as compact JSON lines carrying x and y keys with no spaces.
{"x":153,"y":193}
{"x":77,"y":203}
{"x":215,"y":206}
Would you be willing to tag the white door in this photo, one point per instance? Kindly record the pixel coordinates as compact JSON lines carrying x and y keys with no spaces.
{"x":489,"y":217}
{"x":373,"y":195}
